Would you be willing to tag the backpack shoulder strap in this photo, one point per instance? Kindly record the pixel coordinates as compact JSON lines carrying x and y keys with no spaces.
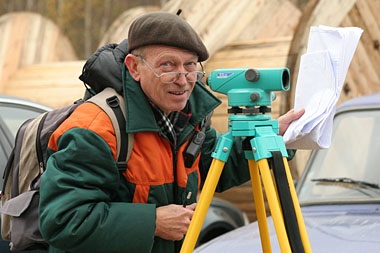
{"x":113,"y":104}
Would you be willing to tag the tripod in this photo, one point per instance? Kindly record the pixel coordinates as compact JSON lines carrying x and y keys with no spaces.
{"x":261,"y":143}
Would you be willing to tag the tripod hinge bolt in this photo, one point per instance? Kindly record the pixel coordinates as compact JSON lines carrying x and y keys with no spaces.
{"x":225,"y":149}
{"x":254,"y":149}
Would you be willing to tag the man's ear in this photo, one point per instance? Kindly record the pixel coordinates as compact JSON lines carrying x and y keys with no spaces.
{"x":131,"y":62}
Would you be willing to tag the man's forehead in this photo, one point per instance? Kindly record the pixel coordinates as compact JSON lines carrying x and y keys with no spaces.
{"x":163,"y":51}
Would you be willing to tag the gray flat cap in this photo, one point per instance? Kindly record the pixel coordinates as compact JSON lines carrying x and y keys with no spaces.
{"x":162,"y":28}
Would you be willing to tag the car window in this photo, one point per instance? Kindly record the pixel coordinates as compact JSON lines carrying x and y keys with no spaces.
{"x":350,"y":168}
{"x":15,"y":115}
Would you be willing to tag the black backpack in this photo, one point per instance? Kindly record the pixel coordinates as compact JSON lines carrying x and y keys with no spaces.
{"x":26,"y":164}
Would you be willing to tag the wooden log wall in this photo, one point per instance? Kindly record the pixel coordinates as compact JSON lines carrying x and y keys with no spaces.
{"x":27,"y":39}
{"x":220,"y":22}
{"x":364,"y":73}
{"x":55,"y":84}
{"x":363,"y":76}
{"x":118,"y":31}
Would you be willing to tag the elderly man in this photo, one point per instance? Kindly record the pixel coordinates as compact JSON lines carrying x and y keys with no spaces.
{"x":86,"y":206}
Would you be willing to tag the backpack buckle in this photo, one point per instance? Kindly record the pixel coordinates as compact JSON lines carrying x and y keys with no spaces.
{"x":113,"y":101}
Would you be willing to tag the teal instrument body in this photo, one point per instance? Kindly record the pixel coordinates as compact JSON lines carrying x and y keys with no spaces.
{"x":249,"y":87}
{"x":250,"y":92}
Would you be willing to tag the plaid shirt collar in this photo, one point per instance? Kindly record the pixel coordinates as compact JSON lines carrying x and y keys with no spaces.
{"x":173,"y":124}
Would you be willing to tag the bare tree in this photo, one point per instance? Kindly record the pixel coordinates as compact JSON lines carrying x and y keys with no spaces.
{"x":87,"y":27}
{"x":29,"y":5}
{"x":60,"y":4}
{"x":106,"y":16}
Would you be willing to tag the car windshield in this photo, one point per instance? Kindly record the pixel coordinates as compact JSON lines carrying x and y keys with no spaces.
{"x":350,"y":169}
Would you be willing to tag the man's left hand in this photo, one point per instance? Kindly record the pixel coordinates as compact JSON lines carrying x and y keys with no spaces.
{"x":285,"y":120}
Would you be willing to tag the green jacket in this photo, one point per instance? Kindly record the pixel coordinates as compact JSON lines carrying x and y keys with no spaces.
{"x":86,"y":205}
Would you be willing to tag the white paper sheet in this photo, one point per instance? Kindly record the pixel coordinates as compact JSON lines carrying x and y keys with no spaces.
{"x":323,"y":69}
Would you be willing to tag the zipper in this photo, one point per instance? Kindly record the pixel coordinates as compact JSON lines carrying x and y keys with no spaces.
{"x":175,"y":183}
{"x":38,"y":144}
{"x":176,"y":198}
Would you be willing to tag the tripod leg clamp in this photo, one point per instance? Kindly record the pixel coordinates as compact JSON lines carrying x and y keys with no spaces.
{"x":265,"y":142}
{"x":223,"y":147}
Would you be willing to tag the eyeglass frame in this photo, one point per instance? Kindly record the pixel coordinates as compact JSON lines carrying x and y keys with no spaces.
{"x":178,"y":74}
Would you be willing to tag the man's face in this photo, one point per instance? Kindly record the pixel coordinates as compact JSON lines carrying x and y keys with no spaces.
{"x":163,"y":59}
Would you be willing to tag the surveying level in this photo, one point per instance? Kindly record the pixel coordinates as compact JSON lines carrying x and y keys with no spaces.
{"x":250,"y":92}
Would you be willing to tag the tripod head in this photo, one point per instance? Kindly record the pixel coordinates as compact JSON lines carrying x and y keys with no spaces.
{"x":249,"y":88}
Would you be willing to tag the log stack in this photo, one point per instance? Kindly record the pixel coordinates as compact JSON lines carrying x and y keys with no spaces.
{"x":28,"y":39}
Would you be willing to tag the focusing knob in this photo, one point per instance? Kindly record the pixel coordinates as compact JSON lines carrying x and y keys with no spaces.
{"x":252,"y":75}
{"x":255,"y":96}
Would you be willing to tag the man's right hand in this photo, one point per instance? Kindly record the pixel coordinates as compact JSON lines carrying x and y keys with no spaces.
{"x":172,"y":221}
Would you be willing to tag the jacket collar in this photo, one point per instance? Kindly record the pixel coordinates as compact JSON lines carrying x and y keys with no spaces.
{"x":139,"y":114}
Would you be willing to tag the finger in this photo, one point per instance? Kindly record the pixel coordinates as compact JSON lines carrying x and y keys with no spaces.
{"x":192,"y":206}
{"x":299,"y":112}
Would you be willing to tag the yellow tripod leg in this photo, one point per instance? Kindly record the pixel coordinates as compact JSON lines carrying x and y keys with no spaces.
{"x":202,"y":206}
{"x":274,"y":205}
{"x":297,"y":209}
{"x":260,"y":206}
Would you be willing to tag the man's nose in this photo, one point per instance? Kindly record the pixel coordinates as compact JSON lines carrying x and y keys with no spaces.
{"x":182,"y":80}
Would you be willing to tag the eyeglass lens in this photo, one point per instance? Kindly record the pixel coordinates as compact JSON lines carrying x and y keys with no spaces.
{"x":174,"y":76}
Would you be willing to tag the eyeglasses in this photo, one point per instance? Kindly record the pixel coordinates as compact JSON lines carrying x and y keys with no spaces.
{"x":171,"y":77}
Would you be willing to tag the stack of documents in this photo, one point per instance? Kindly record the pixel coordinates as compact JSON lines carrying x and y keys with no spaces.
{"x":320,"y":80}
